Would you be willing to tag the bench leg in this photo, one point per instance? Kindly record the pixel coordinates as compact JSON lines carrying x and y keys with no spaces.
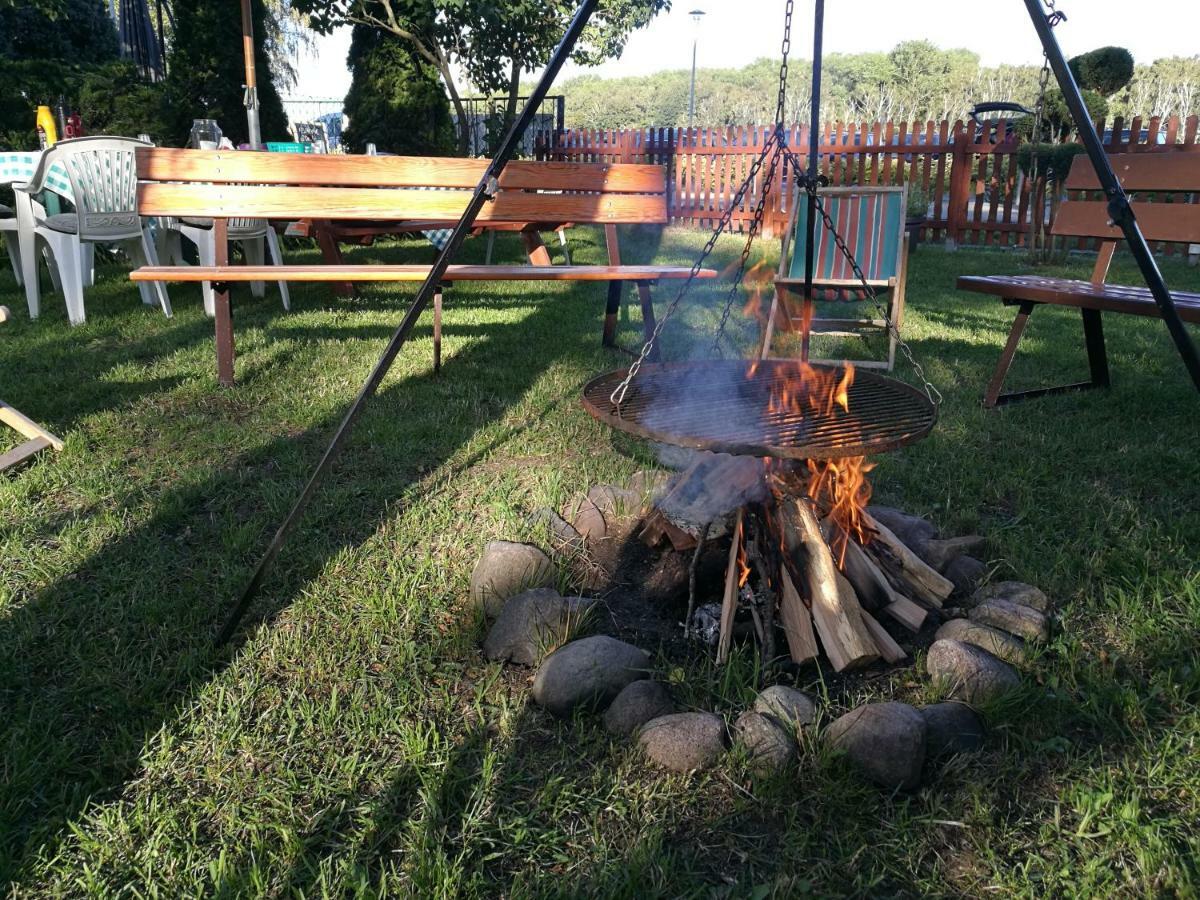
{"x":612,"y":309}
{"x":222,"y":311}
{"x":1093,"y":333}
{"x":332,"y":254}
{"x":648,"y":322}
{"x":437,"y":331}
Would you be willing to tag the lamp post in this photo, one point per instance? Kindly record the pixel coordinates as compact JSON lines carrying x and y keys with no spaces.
{"x":696,"y":14}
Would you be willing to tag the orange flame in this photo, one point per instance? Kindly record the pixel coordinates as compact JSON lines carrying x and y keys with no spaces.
{"x":743,"y":566}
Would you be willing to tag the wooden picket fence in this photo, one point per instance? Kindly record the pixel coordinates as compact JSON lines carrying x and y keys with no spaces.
{"x":976,"y":191}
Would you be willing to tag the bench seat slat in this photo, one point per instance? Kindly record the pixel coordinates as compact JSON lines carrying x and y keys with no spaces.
{"x":413,"y":273}
{"x":1128,"y":299}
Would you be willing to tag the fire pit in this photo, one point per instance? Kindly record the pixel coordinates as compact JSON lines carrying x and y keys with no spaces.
{"x":778,"y":408}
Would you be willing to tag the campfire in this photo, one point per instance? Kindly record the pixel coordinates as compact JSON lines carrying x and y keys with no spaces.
{"x":805,"y":555}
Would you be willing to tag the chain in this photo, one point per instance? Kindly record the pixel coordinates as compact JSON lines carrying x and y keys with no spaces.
{"x":934,"y":395}
{"x":773,"y":143}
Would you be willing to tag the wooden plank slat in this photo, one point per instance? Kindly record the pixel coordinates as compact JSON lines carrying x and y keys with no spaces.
{"x":413,"y":273}
{"x":22,"y":452}
{"x":245,"y":166}
{"x":1140,"y":172}
{"x":1159,"y":221}
{"x":276,"y":202}
{"x":1136,"y":301}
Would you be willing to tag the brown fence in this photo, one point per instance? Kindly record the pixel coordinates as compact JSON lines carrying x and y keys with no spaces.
{"x":976,"y":191}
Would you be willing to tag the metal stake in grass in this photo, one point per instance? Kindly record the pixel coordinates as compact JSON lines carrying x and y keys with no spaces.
{"x":484,"y":192}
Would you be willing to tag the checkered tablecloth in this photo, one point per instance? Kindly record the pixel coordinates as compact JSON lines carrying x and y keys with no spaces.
{"x":439,"y":237}
{"x":20,"y":166}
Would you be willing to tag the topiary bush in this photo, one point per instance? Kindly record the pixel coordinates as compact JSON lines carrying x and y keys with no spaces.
{"x":1104,"y":71}
{"x":396,"y":101}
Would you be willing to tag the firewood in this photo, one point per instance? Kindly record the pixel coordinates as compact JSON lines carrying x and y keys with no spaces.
{"x":888,"y":648}
{"x":656,"y":528}
{"x":922,"y":580}
{"x":712,"y":488}
{"x":729,"y":601}
{"x":796,"y":621}
{"x":907,"y":613}
{"x":872,"y":587}
{"x":835,"y":608}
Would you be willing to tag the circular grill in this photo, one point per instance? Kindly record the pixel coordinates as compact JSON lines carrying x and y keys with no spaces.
{"x":719,"y":405}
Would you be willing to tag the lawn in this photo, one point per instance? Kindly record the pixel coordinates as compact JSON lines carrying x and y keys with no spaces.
{"x":353,"y":741}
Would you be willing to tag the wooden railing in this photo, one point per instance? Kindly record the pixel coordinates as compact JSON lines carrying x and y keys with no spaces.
{"x":976,"y":190}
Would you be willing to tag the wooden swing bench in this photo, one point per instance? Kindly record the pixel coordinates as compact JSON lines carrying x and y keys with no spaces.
{"x":224,"y":185}
{"x":1158,"y":173}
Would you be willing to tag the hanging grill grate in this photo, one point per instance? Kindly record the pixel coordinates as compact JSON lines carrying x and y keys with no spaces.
{"x":720,"y":405}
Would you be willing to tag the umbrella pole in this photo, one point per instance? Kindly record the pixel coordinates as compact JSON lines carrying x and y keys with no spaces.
{"x":251,"y":85}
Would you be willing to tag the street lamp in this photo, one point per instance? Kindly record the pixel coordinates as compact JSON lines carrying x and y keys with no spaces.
{"x":696,"y":15}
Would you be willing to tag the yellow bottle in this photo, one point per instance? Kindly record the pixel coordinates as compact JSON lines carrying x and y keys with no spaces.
{"x":46,"y":126}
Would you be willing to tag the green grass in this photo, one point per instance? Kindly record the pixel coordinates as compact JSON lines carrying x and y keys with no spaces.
{"x":353,"y":741}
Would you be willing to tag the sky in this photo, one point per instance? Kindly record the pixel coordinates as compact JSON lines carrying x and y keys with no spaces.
{"x":733,"y":33}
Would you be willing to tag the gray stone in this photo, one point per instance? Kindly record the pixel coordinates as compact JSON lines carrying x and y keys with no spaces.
{"x":912,"y":530}
{"x":1015,"y":592}
{"x":768,"y":744}
{"x":968,"y":673}
{"x":885,"y":740}
{"x":951,"y":728}
{"x":532,"y":624}
{"x":564,"y":539}
{"x":965,"y":572}
{"x":505,"y":570}
{"x":587,"y":518}
{"x":587,"y":672}
{"x":940,"y":553}
{"x":1023,"y":621}
{"x":684,"y":742}
{"x":999,"y":643}
{"x":787,"y":705}
{"x":615,"y":502}
{"x":647,"y":484}
{"x":637,"y":704}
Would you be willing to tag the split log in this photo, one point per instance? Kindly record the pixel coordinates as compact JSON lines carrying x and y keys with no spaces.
{"x":796,"y":621}
{"x":729,"y":601}
{"x":656,"y":528}
{"x":872,"y":587}
{"x":893,"y":554}
{"x":835,"y":608}
{"x":888,"y":648}
{"x":907,"y":613}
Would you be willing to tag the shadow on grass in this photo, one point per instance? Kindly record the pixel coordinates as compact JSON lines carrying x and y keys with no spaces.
{"x":94,"y":665}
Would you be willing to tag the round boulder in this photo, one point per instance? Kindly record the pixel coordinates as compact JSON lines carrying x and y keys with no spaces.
{"x":587,"y":518}
{"x":637,"y":704}
{"x":951,"y":728}
{"x":999,"y":643}
{"x":1014,"y":592}
{"x":969,"y":673}
{"x":505,"y":570}
{"x":587,"y":672}
{"x":770,"y":747}
{"x":965,"y":573}
{"x":1023,"y":621}
{"x":885,"y":740}
{"x":684,"y":742}
{"x":787,"y":705}
{"x":532,"y":624}
{"x":913,"y":531}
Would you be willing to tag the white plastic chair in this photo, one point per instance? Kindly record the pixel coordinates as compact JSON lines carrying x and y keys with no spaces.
{"x":104,"y":190}
{"x":250,"y":233}
{"x":12,"y":243}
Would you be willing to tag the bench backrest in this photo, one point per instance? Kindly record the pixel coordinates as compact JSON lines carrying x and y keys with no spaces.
{"x":870,"y":221}
{"x":243,"y":183}
{"x":1165,"y":176}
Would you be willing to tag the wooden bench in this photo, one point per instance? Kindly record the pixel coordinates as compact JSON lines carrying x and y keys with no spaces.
{"x":1161,"y":174}
{"x":233,"y":184}
{"x":37,"y":437}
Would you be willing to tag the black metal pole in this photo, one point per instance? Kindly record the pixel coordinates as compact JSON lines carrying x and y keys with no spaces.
{"x":484,"y":192}
{"x":1119,"y":209}
{"x":814,"y":143}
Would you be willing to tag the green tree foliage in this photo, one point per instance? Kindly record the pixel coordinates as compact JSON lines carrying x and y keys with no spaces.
{"x":396,"y":100}
{"x":490,"y":43}
{"x":1169,"y":87}
{"x":1104,"y":71}
{"x":205,"y":71}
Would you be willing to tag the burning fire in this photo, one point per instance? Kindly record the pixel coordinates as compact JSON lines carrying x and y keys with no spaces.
{"x":743,"y":564}
{"x":839,"y":485}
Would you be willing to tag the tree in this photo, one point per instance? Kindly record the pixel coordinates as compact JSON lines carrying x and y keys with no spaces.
{"x":1104,"y":71}
{"x":491,"y":43}
{"x":396,"y":100}
{"x":205,"y":71}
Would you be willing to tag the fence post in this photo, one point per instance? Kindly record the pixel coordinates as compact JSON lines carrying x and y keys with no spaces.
{"x":960,"y":185}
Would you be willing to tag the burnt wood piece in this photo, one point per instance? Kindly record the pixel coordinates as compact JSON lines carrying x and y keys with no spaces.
{"x":377,"y":191}
{"x":896,"y":559}
{"x":1160,"y":221}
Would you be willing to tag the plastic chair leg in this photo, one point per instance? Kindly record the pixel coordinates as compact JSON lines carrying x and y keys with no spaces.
{"x":88,"y":262}
{"x":254,"y":248}
{"x":67,"y":263}
{"x":13,"y":246}
{"x":145,"y":253}
{"x":277,"y":259}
